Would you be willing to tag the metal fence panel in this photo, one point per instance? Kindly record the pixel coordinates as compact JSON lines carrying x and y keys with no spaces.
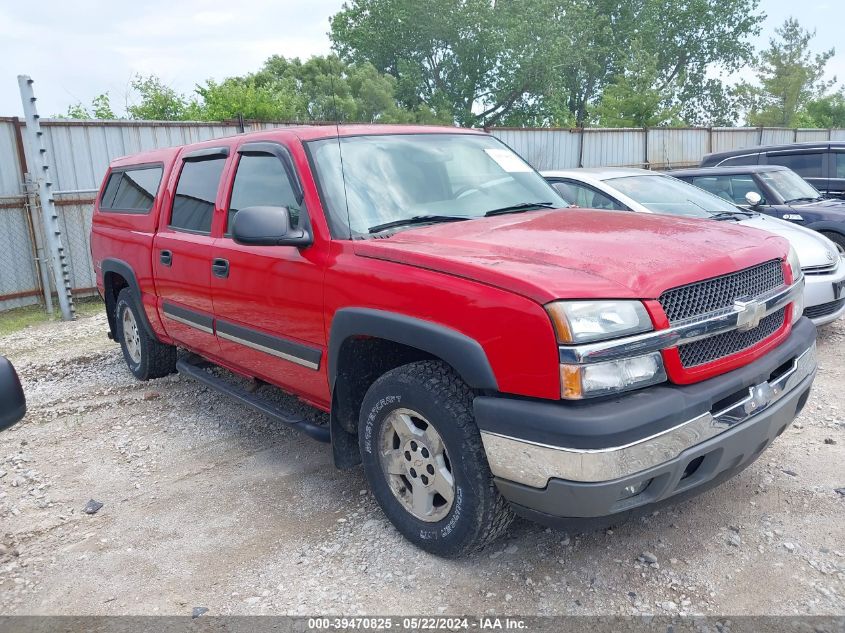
{"x":777,"y":136}
{"x":613,"y":148}
{"x":804,"y":136}
{"x":725,"y":139}
{"x":544,"y":149}
{"x":668,"y":148}
{"x":10,"y":167}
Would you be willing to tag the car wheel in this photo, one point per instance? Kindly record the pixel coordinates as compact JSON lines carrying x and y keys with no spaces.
{"x":425,"y":463}
{"x":146,"y":357}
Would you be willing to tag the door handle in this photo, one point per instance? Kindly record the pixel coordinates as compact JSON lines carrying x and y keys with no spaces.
{"x":166,"y":258}
{"x":220,"y":268}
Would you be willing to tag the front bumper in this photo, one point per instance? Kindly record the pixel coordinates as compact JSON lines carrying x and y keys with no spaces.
{"x":599,"y":459}
{"x":824,"y":296}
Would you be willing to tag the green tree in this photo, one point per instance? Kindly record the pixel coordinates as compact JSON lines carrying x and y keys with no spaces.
{"x":827,"y":111}
{"x":633,"y":98}
{"x":160,"y":102}
{"x":100,"y":109}
{"x":545,"y":61}
{"x":473,"y":59}
{"x":790,"y":78}
{"x":319,"y":89}
{"x":624,"y":43}
{"x":245,"y":96}
{"x":328,"y":89}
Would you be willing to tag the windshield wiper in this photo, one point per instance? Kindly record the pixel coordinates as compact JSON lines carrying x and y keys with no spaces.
{"x":520,"y":207}
{"x":806,"y":199}
{"x":417,"y":219}
{"x":729,"y":215}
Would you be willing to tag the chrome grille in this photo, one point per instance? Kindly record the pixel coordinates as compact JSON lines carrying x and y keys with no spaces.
{"x":716,"y":347}
{"x":821,"y":270}
{"x":719,"y":293}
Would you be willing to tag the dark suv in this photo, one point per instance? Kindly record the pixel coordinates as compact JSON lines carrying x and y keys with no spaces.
{"x":822,"y":164}
{"x":782,"y":194}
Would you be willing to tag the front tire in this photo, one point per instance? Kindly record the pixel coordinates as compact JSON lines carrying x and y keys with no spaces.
{"x":425,"y":463}
{"x":145,"y":356}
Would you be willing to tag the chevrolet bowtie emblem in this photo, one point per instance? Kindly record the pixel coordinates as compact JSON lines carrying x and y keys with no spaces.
{"x":749,"y":314}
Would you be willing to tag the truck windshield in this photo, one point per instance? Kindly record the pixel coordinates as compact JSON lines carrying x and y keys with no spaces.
{"x":790,"y":186}
{"x":663,"y":194}
{"x":421,"y":178}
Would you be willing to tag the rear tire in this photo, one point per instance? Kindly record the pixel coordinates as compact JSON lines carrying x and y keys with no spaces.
{"x":425,"y":463}
{"x":836,"y":238}
{"x":145,"y":356}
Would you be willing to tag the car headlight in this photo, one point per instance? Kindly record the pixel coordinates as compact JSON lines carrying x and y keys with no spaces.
{"x":578,"y":322}
{"x":596,"y":379}
{"x":587,"y":321}
{"x":794,"y":264}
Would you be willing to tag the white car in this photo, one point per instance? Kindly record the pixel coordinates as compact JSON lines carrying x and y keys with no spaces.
{"x":643,"y":191}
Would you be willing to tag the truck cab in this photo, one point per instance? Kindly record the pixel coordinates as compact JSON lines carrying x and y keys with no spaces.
{"x":481,"y":349}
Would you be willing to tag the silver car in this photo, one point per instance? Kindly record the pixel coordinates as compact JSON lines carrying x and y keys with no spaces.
{"x":643,"y":191}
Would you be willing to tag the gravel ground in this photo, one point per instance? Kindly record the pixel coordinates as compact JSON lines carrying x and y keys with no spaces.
{"x":208,"y":505}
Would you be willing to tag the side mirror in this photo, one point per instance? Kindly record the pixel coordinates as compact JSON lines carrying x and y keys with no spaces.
{"x":753,"y":198}
{"x":12,"y":401}
{"x":267,"y":226}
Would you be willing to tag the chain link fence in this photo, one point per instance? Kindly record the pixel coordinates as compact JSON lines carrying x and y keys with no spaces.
{"x":19,"y":280}
{"x":75,"y":211}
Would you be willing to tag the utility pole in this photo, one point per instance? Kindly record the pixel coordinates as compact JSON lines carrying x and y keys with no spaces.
{"x":40,"y":173}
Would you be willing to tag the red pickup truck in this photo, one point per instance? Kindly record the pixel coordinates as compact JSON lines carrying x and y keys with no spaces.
{"x":479,"y":348}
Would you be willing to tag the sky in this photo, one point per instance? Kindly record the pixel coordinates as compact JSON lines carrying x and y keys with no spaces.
{"x":77,"y":50}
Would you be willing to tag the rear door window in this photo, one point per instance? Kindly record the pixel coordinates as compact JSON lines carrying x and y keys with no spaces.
{"x":131,"y":190}
{"x":196,"y":193}
{"x":806,"y":165}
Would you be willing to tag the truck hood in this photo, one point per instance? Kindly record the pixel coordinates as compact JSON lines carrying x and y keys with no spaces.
{"x":813,"y":248}
{"x":579,"y":253}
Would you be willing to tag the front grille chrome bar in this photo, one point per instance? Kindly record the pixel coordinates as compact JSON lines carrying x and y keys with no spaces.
{"x":686,"y":331}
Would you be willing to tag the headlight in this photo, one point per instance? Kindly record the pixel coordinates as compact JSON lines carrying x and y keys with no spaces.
{"x":586,"y":381}
{"x":794,"y":264}
{"x":586,"y":321}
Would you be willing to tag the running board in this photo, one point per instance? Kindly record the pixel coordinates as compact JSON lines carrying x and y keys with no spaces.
{"x":193,"y":366}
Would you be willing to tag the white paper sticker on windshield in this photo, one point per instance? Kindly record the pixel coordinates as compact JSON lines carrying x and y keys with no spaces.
{"x":507,"y":160}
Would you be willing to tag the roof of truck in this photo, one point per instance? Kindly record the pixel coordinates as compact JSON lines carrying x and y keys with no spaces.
{"x":302,"y":132}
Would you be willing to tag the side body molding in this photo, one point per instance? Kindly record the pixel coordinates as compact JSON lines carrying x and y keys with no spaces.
{"x":463,"y":353}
